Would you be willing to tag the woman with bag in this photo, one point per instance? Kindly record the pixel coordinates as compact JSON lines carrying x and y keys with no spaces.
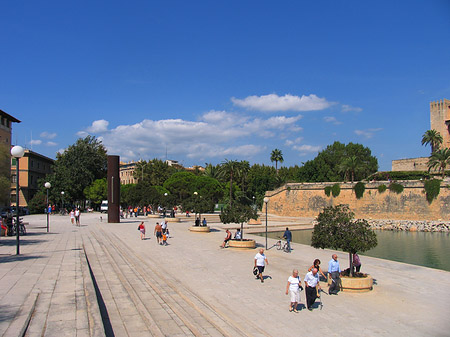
{"x":293,"y":287}
{"x":141,"y":228}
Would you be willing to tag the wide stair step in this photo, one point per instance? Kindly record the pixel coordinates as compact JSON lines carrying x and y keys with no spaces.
{"x":142,"y":300}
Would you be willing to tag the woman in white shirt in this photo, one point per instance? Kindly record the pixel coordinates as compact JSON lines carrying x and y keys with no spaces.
{"x":293,"y":289}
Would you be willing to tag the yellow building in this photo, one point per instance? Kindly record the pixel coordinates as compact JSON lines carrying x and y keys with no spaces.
{"x":126,"y":172}
{"x":32,"y":167}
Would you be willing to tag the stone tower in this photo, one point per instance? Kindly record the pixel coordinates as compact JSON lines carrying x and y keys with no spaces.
{"x":440,"y":119}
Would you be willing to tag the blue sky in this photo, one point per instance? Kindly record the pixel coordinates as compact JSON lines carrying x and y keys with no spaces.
{"x":209,"y":80}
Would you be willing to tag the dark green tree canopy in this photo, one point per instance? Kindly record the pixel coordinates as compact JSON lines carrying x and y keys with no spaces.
{"x":97,"y":191}
{"x":337,"y":229}
{"x":153,"y":172}
{"x":78,"y":167}
{"x":332,"y":164}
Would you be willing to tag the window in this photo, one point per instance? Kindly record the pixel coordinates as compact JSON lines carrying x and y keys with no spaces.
{"x":13,"y":178}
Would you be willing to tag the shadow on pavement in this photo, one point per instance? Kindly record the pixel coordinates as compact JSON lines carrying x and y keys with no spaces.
{"x":14,"y":258}
{"x":7,"y":313}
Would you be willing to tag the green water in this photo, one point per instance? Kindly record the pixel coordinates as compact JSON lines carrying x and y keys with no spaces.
{"x":419,"y":248}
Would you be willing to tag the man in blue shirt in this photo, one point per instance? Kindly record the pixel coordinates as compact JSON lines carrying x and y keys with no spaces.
{"x":288,"y":236}
{"x":334,"y":269}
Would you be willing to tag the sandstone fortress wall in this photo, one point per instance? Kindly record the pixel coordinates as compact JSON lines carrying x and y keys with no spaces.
{"x":309,"y":199}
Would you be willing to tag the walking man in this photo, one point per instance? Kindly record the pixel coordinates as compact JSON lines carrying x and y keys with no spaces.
{"x":288,"y":236}
{"x":334,"y":270}
{"x":77,"y":217}
{"x":260,"y":263}
{"x":311,"y":283}
{"x":158,"y":233}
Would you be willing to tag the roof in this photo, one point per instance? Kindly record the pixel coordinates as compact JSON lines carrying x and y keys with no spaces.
{"x":11,"y":118}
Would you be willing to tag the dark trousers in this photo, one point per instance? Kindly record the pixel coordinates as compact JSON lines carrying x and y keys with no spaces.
{"x":311,"y":295}
{"x":335,"y":283}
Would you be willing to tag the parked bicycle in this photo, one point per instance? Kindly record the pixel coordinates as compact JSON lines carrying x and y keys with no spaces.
{"x":22,"y":229}
{"x":281,"y":246}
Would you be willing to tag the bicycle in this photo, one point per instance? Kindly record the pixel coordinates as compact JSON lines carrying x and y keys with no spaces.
{"x":285,"y":247}
{"x":22,"y":229}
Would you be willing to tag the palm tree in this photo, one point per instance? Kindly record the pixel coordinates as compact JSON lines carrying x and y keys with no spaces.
{"x":439,"y":160}
{"x":432,"y":138}
{"x":230,"y":168}
{"x":276,"y":156}
{"x":211,"y":171}
{"x":350,"y":166}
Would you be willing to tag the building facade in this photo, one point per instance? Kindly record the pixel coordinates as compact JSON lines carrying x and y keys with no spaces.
{"x":440,"y":119}
{"x":126,"y":172}
{"x":33,"y":167}
{"x":6,"y":121}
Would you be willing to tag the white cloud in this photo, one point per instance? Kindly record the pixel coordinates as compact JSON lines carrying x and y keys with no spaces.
{"x":215,"y":134}
{"x":289,"y":142}
{"x":51,"y":144}
{"x":61,"y":151}
{"x":82,"y":134}
{"x":330,"y":119}
{"x":98,"y":126}
{"x":306,"y":148}
{"x":35,"y":142}
{"x":368,"y":133}
{"x":348,"y":108}
{"x":288,"y":102}
{"x":47,"y":135}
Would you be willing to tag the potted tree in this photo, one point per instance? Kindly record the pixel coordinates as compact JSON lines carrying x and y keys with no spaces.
{"x":336,"y":228}
{"x":238,"y":213}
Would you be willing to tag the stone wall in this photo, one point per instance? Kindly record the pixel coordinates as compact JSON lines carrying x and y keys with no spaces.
{"x":309,"y":199}
{"x":411,"y":164}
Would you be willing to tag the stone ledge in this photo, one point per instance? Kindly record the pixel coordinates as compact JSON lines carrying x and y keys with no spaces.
{"x":246,"y":243}
{"x":200,"y":229}
{"x":355,"y":284}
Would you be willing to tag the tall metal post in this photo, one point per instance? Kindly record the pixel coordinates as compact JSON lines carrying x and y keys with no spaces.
{"x":266,"y":201}
{"x":17,"y":208}
{"x":47,"y":185}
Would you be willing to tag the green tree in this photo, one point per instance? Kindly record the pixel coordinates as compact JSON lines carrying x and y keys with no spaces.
{"x":97,"y":191}
{"x":240,"y":212}
{"x":337,"y":229}
{"x":38,"y":203}
{"x":326,"y":166}
{"x":350,"y":166}
{"x":230,"y":169}
{"x":432,"y":138}
{"x":439,"y":160}
{"x":212,"y":171}
{"x":276,"y":156}
{"x":153,"y":172}
{"x":78,"y":167}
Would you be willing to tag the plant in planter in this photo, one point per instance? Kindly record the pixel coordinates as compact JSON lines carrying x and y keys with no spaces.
{"x":241,"y":211}
{"x":336,"y":228}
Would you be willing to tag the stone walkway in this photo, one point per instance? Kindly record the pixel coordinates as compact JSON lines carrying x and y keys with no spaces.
{"x":193,"y":287}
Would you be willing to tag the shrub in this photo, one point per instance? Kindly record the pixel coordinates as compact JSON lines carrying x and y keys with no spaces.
{"x":396,"y":188}
{"x":328,"y":190}
{"x":400,"y":175}
{"x":382,"y":188}
{"x":335,"y":190}
{"x":432,"y":189}
{"x":359,"y":189}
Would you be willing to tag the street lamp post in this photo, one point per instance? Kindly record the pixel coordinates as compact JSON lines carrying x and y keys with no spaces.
{"x":62,"y":203}
{"x":266,"y":201}
{"x":17,"y":152}
{"x":47,"y":187}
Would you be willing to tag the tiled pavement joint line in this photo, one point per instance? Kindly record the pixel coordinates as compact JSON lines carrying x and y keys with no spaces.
{"x":188,"y":296}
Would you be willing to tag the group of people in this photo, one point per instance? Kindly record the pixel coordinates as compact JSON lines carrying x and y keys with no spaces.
{"x":311,"y":280}
{"x":75,"y":216}
{"x":161,"y":232}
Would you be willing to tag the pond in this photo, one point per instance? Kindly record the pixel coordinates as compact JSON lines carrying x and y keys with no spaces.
{"x":418,"y":248}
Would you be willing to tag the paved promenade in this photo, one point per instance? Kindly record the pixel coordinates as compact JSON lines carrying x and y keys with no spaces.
{"x":193,"y":287}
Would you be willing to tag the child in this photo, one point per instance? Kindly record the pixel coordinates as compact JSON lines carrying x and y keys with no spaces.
{"x":141,"y":229}
{"x":164,"y":239}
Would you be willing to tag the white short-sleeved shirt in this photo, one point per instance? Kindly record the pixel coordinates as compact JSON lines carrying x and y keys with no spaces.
{"x":260,"y":259}
{"x":293,"y":283}
{"x":311,"y":279}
